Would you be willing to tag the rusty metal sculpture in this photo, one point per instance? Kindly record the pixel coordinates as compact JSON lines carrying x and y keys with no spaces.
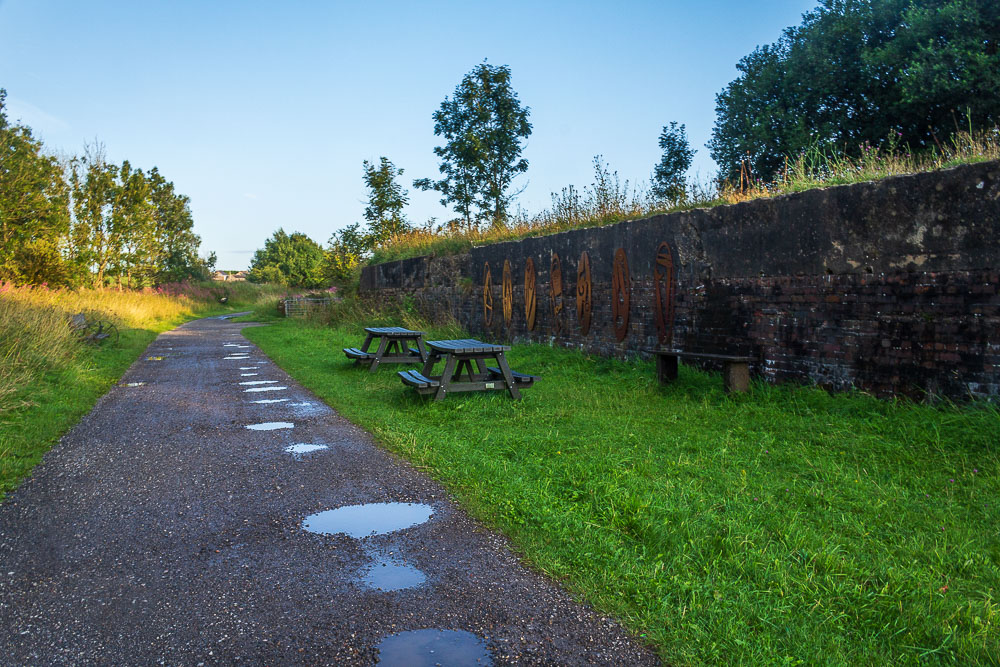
{"x":556,"y":293}
{"x":530,"y":300}
{"x":621,"y":294}
{"x":487,"y":295}
{"x":665,"y":286}
{"x":584,"y":295}
{"x":508,"y":293}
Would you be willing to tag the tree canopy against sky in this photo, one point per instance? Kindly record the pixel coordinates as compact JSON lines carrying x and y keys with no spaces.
{"x":859,"y":71}
{"x":386,"y":199}
{"x":289,"y":259}
{"x":670,"y":174}
{"x":483,"y":125}
{"x":104,"y":223}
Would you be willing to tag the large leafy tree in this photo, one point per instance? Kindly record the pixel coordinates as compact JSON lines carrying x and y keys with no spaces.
{"x":857,"y":71}
{"x":483,"y":125}
{"x":34,"y":218}
{"x":386,"y":199}
{"x":289,"y":259}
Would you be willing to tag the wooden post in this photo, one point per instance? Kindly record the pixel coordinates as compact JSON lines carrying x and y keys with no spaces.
{"x":666,"y":368}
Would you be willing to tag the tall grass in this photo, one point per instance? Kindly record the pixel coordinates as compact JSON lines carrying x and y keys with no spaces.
{"x":49,"y":376}
{"x":608,"y":200}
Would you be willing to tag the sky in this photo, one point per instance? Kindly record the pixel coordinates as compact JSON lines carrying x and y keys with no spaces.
{"x":263,"y":112}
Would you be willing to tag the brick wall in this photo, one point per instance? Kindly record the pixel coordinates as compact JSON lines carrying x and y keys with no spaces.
{"x":889,"y":286}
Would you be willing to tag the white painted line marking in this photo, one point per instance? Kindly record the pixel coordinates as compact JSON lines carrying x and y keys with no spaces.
{"x":250,"y":382}
{"x":247,"y":391}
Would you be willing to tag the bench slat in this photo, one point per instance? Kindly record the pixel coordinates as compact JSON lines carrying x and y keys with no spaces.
{"x":704,"y":355}
{"x":415,"y":379}
{"x":520,"y":378}
{"x":355,"y":353}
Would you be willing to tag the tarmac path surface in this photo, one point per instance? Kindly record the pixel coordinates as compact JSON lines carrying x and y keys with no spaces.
{"x":162,"y":530}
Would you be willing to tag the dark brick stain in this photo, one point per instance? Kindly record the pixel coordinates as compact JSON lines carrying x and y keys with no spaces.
{"x":890,"y":287}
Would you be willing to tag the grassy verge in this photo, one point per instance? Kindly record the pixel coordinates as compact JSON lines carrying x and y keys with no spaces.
{"x":783,"y":525}
{"x":49,"y":378}
{"x":607,"y":201}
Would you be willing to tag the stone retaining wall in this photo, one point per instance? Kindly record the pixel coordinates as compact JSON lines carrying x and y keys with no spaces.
{"x":888,"y":286}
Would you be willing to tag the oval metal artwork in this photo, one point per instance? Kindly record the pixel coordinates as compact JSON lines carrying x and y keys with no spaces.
{"x":530,"y":299}
{"x":665,"y":286}
{"x":584,"y":294}
{"x":621,"y":294}
{"x":556,"y":293}
{"x":508,"y":293}
{"x":487,"y":295}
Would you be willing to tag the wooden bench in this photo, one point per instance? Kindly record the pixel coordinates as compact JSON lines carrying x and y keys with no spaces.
{"x":355,"y":353}
{"x":93,"y":331}
{"x":735,"y":369}
{"x":423,"y":385}
{"x":519,"y":378}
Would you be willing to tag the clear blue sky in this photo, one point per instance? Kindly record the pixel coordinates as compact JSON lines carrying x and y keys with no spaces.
{"x":262,"y":112}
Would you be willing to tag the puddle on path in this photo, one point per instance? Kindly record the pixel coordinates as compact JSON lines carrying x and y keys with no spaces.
{"x":425,"y":648}
{"x":270,"y":426}
{"x":237,"y":356}
{"x":360,"y":521}
{"x":248,"y":375}
{"x":271,"y":400}
{"x":251,"y":389}
{"x":389,"y":574}
{"x":251,"y":382}
{"x":302,"y":448}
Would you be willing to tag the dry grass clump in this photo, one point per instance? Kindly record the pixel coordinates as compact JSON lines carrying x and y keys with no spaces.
{"x":35,"y":336}
{"x":608,"y":201}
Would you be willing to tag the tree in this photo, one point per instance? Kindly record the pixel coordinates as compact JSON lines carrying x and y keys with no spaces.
{"x":669,"y":181}
{"x":856,"y":71}
{"x":345,"y":253}
{"x":386,"y":199}
{"x":295,"y":260}
{"x":33,"y":208}
{"x":483,"y":125}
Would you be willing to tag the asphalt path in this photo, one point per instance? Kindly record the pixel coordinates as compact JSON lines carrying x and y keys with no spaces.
{"x":162,"y":530}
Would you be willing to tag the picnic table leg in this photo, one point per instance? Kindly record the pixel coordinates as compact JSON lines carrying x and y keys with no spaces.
{"x":449,"y":368}
{"x":368,"y":341}
{"x":508,"y":379}
{"x":481,"y":365}
{"x":423,"y":350}
{"x":429,"y":362}
{"x":383,"y":343}
{"x":666,"y":368}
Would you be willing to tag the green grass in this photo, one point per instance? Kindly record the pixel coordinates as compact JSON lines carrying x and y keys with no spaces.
{"x":783,"y":525}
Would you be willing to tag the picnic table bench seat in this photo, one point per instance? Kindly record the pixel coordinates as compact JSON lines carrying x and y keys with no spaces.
{"x":422,"y":384}
{"x":735,"y":368}
{"x":519,"y":378}
{"x":355,"y":353}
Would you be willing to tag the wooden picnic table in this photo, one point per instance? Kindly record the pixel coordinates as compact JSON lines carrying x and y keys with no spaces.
{"x":393,"y":348}
{"x":465,"y":369}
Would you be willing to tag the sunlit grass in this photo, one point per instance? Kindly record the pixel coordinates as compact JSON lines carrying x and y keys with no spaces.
{"x":783,"y":525}
{"x":810,"y":169}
